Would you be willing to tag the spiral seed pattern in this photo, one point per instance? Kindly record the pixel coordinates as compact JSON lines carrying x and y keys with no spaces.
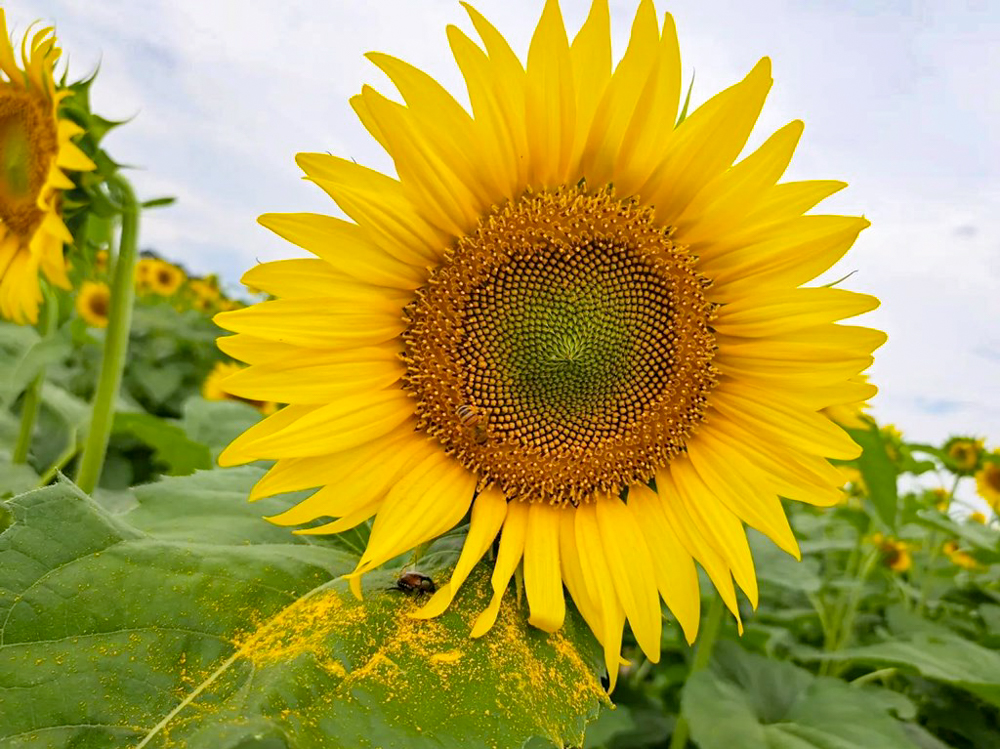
{"x":563,"y":348}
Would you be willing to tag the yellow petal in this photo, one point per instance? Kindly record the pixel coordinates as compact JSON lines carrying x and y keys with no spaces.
{"x":542,"y":580}
{"x":716,"y":525}
{"x":515,"y":528}
{"x":305,"y":278}
{"x":673,"y":567}
{"x":591,"y":57}
{"x":378,"y":464}
{"x":72,"y":158}
{"x":551,"y":101}
{"x":776,"y":312}
{"x":643,"y":145}
{"x":723,"y":204}
{"x":792,"y":254}
{"x":631,"y":568}
{"x":294,"y":474}
{"x":689,"y":534}
{"x":425,"y":503}
{"x":614,"y":112}
{"x":493,"y":131}
{"x":761,"y":412}
{"x":740,"y":487}
{"x":340,"y":425}
{"x":706,"y":143}
{"x":600,"y":585}
{"x":432,"y":183}
{"x":346,"y":248}
{"x":237,"y":453}
{"x":315,"y":323}
{"x":253,"y":350}
{"x":573,"y":576}
{"x":488,"y":512}
{"x":317,"y":376}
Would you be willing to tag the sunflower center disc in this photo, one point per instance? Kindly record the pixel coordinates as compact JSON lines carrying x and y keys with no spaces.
{"x":28,"y":143}
{"x":562,"y":348}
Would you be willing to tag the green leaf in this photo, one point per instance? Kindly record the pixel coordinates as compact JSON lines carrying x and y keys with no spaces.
{"x":159,"y":202}
{"x":188,"y":622}
{"x":879,"y":473}
{"x":939,"y":656}
{"x":217,"y":423}
{"x":171,"y":445}
{"x":23,"y":354}
{"x":751,"y":702}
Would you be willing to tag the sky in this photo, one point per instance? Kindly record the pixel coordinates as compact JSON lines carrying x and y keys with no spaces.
{"x":900,"y":99}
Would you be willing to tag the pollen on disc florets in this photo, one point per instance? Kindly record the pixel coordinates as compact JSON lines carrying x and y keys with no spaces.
{"x":563,"y":347}
{"x":28,"y":144}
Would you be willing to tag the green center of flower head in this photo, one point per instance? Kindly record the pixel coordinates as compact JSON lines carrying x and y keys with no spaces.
{"x":28,"y":143}
{"x":563,"y":348}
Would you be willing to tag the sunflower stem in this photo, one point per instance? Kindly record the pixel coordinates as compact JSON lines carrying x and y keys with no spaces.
{"x":33,"y":395}
{"x":115,"y":343}
{"x":706,"y":644}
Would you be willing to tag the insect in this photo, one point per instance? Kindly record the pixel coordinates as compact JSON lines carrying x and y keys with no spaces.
{"x":474,"y":421}
{"x":414,"y":582}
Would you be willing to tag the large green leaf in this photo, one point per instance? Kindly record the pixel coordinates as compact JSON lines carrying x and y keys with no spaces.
{"x":879,"y":473}
{"x":171,"y":446}
{"x":939,"y":656}
{"x":189,"y":622}
{"x":751,"y":702}
{"x":23,"y":354}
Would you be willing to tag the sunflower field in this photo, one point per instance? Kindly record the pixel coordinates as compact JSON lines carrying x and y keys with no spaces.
{"x":557,"y":437}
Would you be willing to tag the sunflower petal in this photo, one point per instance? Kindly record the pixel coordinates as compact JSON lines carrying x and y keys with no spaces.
{"x":542,"y":579}
{"x":509,"y":554}
{"x":488,"y":513}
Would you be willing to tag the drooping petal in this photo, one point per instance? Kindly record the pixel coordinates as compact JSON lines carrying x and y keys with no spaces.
{"x":509,"y":554}
{"x":542,"y":578}
{"x":488,"y":513}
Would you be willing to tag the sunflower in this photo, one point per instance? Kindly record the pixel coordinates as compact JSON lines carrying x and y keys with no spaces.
{"x":163,"y":278}
{"x":895,"y":553}
{"x":958,"y":557}
{"x":577,"y":324}
{"x":144,"y":269}
{"x":213,"y":388}
{"x":988,"y":481}
{"x":35,"y":148}
{"x":964,"y":454}
{"x":977,"y":517}
{"x":93,"y":302}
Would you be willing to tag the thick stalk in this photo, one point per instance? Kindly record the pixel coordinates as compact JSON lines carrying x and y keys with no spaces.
{"x":115,"y":344}
{"x":33,"y":395}
{"x":702,"y":655}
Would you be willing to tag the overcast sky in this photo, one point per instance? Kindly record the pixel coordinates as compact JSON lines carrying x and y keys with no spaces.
{"x":900,"y":99}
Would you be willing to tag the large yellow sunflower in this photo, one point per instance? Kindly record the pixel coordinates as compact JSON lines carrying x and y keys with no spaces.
{"x":567,"y":318}
{"x":35,"y":148}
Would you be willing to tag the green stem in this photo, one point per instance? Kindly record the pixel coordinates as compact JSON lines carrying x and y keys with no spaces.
{"x":706,"y":644}
{"x":115,"y":344}
{"x":33,"y":395}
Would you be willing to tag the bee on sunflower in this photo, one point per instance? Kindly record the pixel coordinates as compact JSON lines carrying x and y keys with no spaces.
{"x":36,"y":151}
{"x":565,"y":316}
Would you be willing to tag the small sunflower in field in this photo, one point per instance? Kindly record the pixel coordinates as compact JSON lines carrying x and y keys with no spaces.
{"x":977,"y":517}
{"x":93,"y":302}
{"x":213,"y":388}
{"x":958,"y":557}
{"x":964,"y":454}
{"x":36,"y":149}
{"x":988,"y":480}
{"x":941,"y":498}
{"x":582,"y":326}
{"x":164,"y":278}
{"x":895,"y":553}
